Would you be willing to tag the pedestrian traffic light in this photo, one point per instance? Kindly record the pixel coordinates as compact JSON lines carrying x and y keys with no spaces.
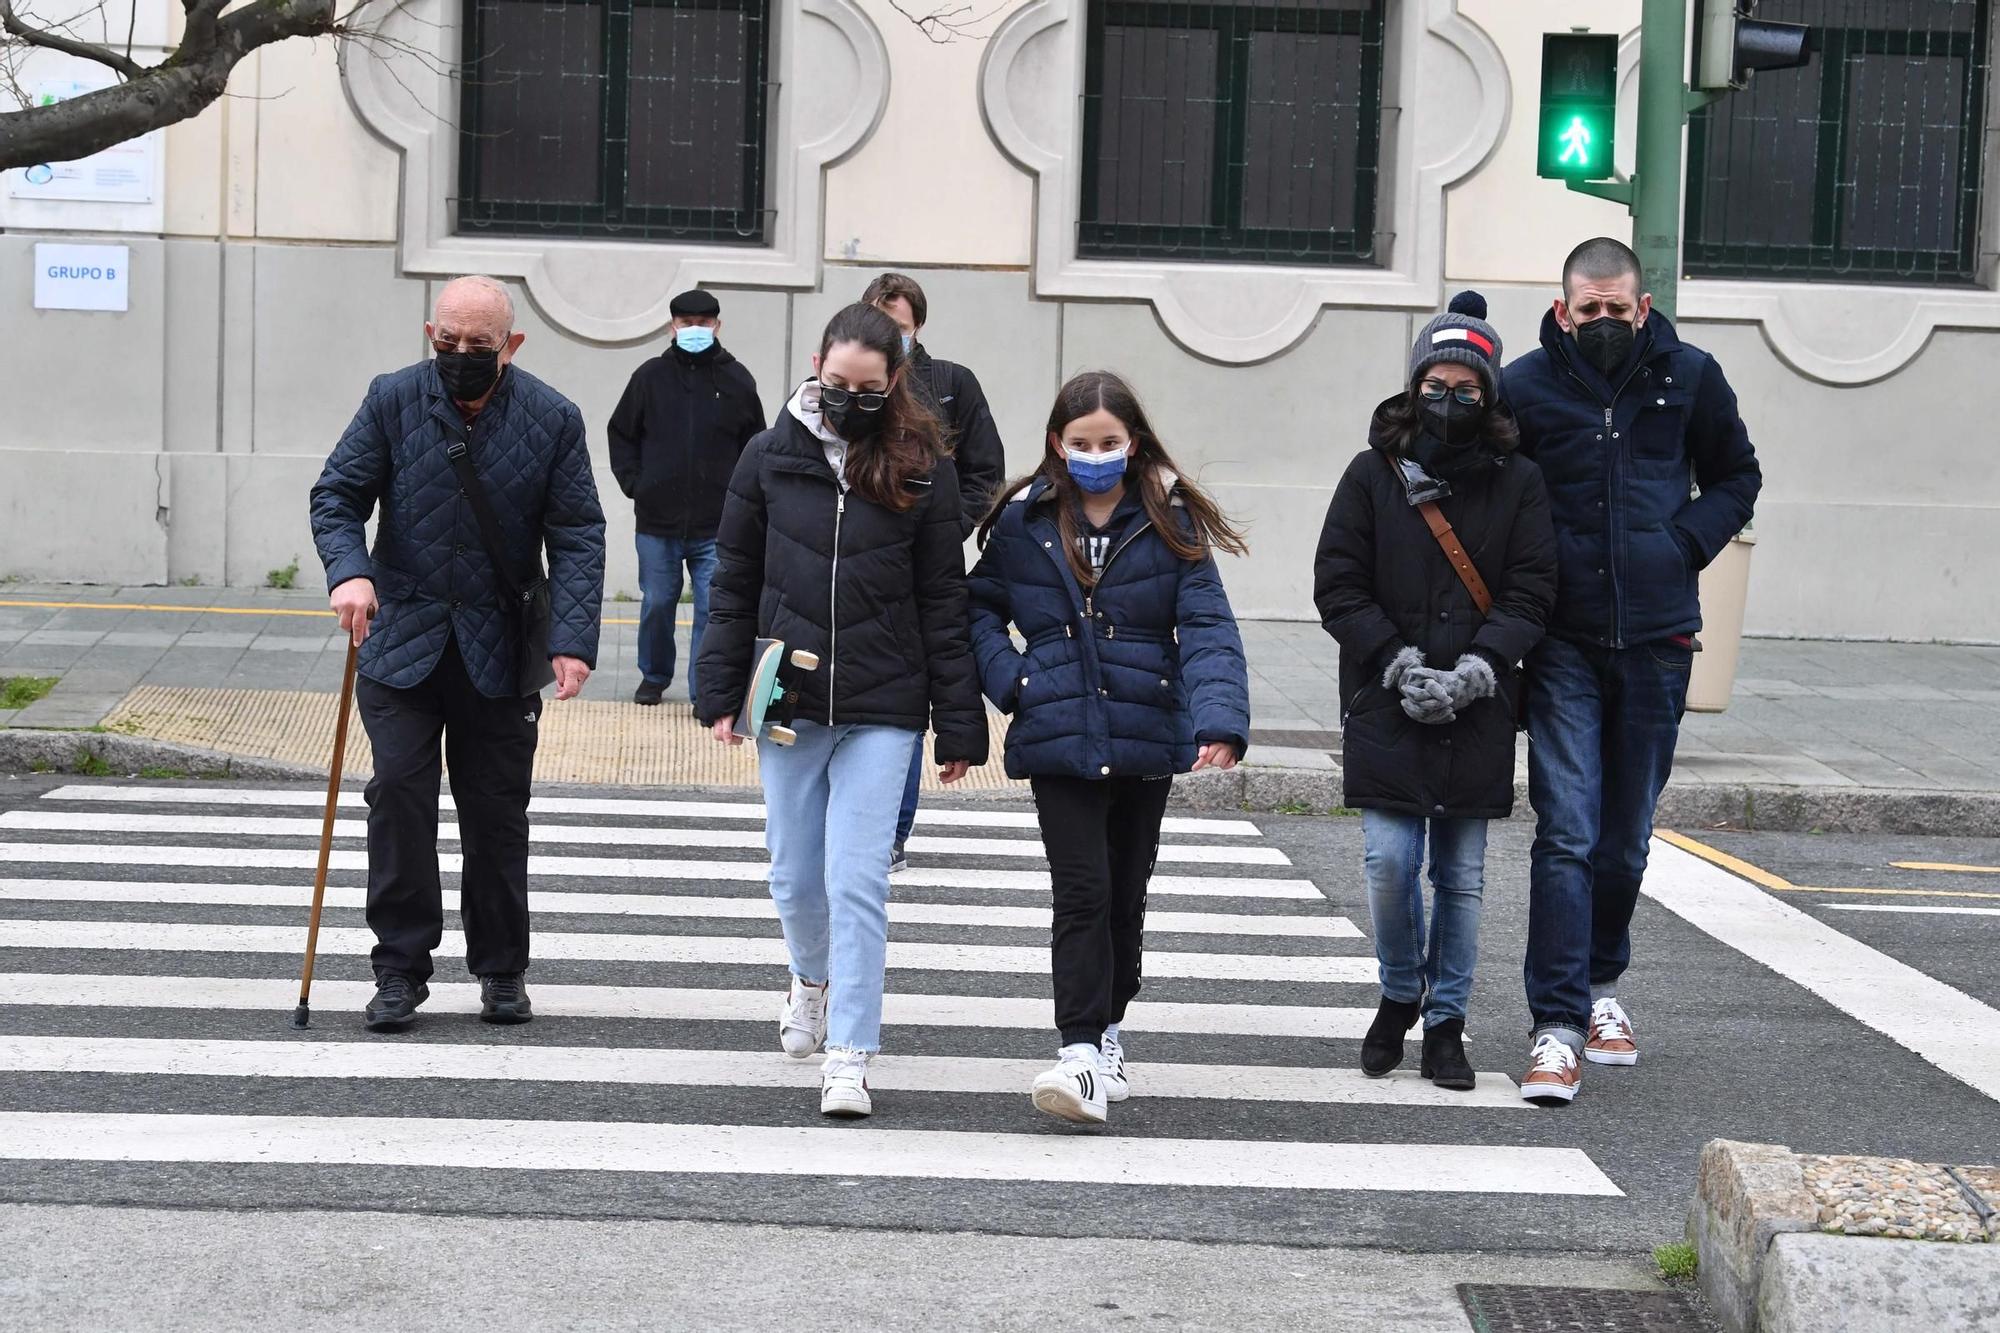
{"x":1579,"y":106}
{"x":1729,"y":45}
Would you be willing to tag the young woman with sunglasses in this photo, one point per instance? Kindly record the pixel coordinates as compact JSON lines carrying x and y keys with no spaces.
{"x":1428,"y":676}
{"x":841,"y":536}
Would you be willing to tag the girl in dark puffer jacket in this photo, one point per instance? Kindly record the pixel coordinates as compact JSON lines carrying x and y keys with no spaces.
{"x":1132,"y":671}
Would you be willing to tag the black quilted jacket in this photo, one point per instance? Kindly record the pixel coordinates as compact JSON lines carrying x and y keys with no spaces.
{"x":432,"y":576}
{"x":880,"y":596}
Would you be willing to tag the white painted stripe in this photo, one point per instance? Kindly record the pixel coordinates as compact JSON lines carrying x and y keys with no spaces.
{"x":908,"y":1154}
{"x":609,"y":867}
{"x":1942,"y":1024}
{"x":708,"y":1068}
{"x":614,"y":835}
{"x":1912,"y":910}
{"x":646,"y":904}
{"x":672,"y":1004}
{"x":593,"y":805}
{"x":721,"y":950}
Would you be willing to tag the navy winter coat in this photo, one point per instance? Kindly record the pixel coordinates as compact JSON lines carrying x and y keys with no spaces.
{"x":1618,"y":459}
{"x":1122,"y":682}
{"x":433,"y":580}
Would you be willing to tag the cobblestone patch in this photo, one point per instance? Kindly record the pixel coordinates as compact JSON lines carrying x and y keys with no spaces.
{"x":1894,"y":1198}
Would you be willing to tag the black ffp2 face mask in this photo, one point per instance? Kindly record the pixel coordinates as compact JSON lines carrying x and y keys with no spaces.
{"x":1605,"y":343}
{"x":468,"y":375}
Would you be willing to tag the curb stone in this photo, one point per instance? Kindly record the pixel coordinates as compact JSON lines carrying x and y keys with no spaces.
{"x":28,"y":751}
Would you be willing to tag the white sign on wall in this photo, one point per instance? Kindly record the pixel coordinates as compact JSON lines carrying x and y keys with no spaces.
{"x":83,"y":277}
{"x":122,"y":174}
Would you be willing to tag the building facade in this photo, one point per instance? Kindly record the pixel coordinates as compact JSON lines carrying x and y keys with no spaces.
{"x":1246,"y":207}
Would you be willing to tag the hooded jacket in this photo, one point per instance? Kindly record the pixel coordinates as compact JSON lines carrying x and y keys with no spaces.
{"x":1382,"y":583}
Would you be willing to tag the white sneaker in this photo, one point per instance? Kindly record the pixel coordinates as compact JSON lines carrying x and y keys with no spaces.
{"x":1111,"y":1070}
{"x":802,"y":1020}
{"x":1073,"y":1090}
{"x":843,"y":1085}
{"x":1611,"y":1041}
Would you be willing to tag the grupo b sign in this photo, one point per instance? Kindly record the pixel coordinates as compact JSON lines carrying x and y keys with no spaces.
{"x":83,"y":277}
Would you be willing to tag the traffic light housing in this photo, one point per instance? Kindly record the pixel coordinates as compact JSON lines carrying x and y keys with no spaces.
{"x":1579,"y":106}
{"x":1730,"y":45}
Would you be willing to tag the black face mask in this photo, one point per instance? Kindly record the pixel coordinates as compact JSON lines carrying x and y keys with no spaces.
{"x":1447,"y":433}
{"x":468,"y":375}
{"x":850,"y":423}
{"x":1605,"y":343}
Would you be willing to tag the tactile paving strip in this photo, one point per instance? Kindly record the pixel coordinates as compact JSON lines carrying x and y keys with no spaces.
{"x":582,"y":740}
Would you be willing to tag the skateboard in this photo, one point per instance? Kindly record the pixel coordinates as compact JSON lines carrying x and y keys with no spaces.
{"x":772,"y":701}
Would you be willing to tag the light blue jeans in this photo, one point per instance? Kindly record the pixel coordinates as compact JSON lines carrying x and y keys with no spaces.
{"x":832,"y":801}
{"x":1393,"y":855}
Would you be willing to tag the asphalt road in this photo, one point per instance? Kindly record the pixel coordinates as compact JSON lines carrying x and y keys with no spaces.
{"x":1730,"y":1049}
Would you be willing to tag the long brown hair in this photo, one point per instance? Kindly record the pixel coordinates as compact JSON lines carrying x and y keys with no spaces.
{"x":910,"y":442}
{"x":1147,"y":473}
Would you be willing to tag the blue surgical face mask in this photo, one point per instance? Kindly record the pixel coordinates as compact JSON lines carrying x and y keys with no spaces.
{"x":1096,"y":473}
{"x":909,"y":341}
{"x":694,"y":339}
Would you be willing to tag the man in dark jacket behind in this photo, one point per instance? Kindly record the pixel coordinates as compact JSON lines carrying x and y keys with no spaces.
{"x":1621,"y":416}
{"x":439,"y":643}
{"x":952,"y":392}
{"x":675,"y":439}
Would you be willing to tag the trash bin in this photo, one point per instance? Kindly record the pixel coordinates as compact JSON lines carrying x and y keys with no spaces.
{"x":1725,"y":587}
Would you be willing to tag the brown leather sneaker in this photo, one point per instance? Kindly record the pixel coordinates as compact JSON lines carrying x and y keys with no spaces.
{"x":1553,"y":1073}
{"x":1610,"y":1035}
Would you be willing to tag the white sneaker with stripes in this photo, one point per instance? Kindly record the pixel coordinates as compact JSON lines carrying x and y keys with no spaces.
{"x":802,"y":1020}
{"x":1111,"y":1069}
{"x":1074,"y":1089}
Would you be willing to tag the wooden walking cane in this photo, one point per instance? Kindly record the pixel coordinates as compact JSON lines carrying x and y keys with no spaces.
{"x":302,"y":1016}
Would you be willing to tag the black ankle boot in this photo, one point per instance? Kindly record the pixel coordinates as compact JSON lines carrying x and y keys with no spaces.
{"x":1444,"y":1056}
{"x":1382,"y":1048}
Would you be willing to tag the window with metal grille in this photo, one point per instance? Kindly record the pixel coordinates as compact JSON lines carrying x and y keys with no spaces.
{"x":640,"y":119}
{"x":1863,"y":166}
{"x":1246,"y":131}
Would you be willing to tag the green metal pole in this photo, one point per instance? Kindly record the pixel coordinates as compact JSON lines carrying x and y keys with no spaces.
{"x":1656,"y":176}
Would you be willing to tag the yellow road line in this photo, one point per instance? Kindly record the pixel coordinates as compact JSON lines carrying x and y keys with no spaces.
{"x":1946,"y":867}
{"x":210,"y":610}
{"x":1778,"y":884}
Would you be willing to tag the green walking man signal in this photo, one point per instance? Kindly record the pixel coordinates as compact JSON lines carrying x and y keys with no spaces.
{"x":1579,"y":106}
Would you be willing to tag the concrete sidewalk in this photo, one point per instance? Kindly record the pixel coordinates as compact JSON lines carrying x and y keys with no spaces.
{"x":1855,"y":735}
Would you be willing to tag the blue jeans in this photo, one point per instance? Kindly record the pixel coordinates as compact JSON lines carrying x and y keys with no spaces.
{"x":1393,"y":855}
{"x":829,"y":799}
{"x":906,"y":819}
{"x":660,"y":561}
{"x":1602,"y":724}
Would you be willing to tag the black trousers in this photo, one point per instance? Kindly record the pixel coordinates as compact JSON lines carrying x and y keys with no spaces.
{"x":1101,"y":838}
{"x":490,"y":744}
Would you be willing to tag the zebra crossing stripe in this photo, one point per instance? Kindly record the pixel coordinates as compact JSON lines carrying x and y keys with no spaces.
{"x":882,"y":1153}
{"x":246,"y":826}
{"x":668,"y":1004}
{"x":606,"y":867}
{"x":593,"y":805}
{"x":723,"y":950}
{"x":177,"y":894}
{"x":298,"y":1059}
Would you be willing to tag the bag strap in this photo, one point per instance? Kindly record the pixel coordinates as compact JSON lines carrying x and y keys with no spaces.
{"x":1454,"y":550}
{"x":460,"y":454}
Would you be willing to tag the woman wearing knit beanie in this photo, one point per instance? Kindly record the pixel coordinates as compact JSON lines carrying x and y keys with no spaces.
{"x":1436,"y":572}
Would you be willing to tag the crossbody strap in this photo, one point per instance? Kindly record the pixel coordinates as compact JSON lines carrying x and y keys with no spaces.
{"x":460,"y":454}
{"x":1454,"y":550}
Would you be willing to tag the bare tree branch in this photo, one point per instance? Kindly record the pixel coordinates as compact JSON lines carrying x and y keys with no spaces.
{"x":21,"y":31}
{"x":945,"y":26}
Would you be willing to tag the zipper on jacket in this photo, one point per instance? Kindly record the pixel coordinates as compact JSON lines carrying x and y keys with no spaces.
{"x":833,"y":602}
{"x":1617,"y":639}
{"x":1089,"y":598}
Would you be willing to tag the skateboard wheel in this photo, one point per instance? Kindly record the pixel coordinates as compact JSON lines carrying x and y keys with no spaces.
{"x":783,"y":735}
{"x":805,"y":661}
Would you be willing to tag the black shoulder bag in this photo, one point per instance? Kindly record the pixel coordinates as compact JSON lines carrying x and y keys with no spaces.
{"x":529,"y":601}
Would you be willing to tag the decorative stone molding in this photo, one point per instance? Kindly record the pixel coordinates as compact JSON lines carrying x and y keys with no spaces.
{"x":827,"y":57}
{"x":1446,"y":103}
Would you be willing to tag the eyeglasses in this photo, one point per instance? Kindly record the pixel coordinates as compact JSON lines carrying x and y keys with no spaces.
{"x":830,"y":396}
{"x":444,"y":347}
{"x":1469,"y":394}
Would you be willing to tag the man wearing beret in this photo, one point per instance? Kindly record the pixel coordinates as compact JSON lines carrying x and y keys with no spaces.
{"x":675,"y":438}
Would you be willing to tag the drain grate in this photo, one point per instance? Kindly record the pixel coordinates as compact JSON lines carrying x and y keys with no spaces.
{"x":1531,"y":1309}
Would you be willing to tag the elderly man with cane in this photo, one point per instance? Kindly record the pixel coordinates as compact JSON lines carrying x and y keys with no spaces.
{"x":475,"y":467}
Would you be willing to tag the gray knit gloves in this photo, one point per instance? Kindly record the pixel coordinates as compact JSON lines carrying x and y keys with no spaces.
{"x":1437,"y":697}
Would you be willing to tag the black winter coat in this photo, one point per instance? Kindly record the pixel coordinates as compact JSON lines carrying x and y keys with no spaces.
{"x":1383,"y":583}
{"x":880,"y":596}
{"x":433,"y":580}
{"x":676,"y":436}
{"x":959,"y":402}
{"x":1630,"y":542}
